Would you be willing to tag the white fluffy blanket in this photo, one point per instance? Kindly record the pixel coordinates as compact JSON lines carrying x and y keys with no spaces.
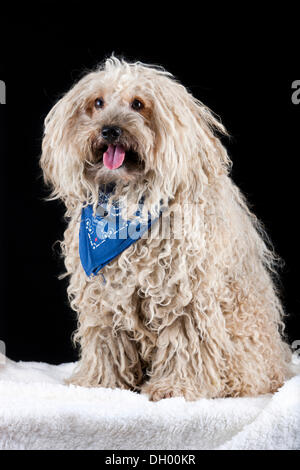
{"x":38,"y":412}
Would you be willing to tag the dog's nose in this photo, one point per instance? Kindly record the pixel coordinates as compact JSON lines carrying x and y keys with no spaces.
{"x":111,"y":133}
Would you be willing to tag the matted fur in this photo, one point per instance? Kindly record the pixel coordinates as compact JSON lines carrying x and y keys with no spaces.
{"x":196,"y":315}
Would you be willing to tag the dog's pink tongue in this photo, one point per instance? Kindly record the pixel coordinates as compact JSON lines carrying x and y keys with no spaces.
{"x":114,"y":156}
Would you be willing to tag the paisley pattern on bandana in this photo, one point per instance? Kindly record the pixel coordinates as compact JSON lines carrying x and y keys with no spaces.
{"x":105,"y":234}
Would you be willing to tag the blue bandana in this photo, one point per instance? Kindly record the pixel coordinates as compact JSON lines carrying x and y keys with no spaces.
{"x":103,"y":236}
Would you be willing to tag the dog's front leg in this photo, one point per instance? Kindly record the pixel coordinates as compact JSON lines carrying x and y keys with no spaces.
{"x":176,"y":363}
{"x":108,"y":359}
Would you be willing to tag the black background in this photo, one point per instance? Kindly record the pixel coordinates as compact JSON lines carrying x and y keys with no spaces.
{"x":248,"y":84}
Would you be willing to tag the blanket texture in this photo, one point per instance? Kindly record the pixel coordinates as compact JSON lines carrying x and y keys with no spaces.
{"x":37,"y":411}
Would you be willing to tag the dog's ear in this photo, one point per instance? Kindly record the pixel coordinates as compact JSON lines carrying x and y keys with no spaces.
{"x":62,"y":159}
{"x":208,"y":131}
{"x":197,"y":129}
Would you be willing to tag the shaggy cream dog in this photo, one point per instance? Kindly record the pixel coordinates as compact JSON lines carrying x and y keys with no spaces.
{"x":192,"y":314}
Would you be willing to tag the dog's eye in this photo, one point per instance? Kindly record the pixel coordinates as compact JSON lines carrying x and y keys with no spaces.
{"x":137,"y":105}
{"x":99,"y":103}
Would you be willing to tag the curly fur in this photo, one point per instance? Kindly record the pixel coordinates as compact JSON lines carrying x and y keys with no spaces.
{"x":196,"y":315}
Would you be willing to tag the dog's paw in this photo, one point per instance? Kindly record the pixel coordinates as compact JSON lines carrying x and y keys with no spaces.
{"x":170,"y":389}
{"x":157,"y":392}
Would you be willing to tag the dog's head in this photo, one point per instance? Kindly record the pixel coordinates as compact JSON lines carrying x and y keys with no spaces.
{"x":131,"y":124}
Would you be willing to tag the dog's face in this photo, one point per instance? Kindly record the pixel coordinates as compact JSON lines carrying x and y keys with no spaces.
{"x":119,"y":119}
{"x":130,"y":124}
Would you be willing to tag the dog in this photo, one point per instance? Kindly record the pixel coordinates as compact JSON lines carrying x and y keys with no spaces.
{"x":196,"y":315}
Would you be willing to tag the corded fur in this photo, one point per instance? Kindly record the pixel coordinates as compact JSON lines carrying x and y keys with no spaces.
{"x":195,"y":315}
